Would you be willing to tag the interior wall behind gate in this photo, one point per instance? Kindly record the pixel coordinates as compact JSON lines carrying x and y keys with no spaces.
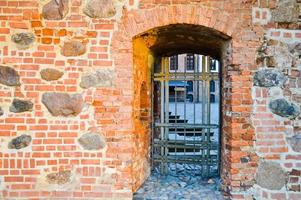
{"x":69,"y":87}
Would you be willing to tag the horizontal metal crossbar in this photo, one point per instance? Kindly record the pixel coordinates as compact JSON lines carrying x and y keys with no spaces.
{"x":185,"y":125}
{"x":185,"y":146}
{"x":190,"y":160}
{"x":198,"y":143}
{"x":187,"y":76}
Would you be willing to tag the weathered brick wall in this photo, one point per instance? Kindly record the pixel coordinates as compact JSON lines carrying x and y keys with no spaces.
{"x":74,"y":111}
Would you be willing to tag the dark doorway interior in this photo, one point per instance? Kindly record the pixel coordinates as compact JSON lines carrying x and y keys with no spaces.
{"x":186,"y":126}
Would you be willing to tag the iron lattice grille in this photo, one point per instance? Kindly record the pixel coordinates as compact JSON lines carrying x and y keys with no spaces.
{"x":183,"y":129}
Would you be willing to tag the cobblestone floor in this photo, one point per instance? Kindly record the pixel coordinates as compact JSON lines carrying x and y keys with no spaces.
{"x":179,"y":186}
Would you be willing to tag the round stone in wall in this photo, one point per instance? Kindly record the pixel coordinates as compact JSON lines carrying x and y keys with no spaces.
{"x":73,"y":48}
{"x":23,"y":40}
{"x":19,"y":105}
{"x":63,"y":104}
{"x":270,"y":175}
{"x":19,"y":142}
{"x":55,"y":9}
{"x":59,"y":178}
{"x":295,"y":142}
{"x":99,"y":8}
{"x":50,"y":74}
{"x":269,"y":78}
{"x":284,"y":108}
{"x":92,"y":141}
{"x":9,"y":76}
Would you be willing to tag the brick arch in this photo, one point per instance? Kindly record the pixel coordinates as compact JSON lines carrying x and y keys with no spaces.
{"x":135,"y":22}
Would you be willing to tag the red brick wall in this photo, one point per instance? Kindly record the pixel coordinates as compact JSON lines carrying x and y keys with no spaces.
{"x":114,"y":171}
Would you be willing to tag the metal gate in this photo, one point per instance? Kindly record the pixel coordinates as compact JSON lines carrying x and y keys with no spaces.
{"x":185,"y":127}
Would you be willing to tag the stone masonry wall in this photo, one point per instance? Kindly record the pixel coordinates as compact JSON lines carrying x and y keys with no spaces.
{"x":74,"y":101}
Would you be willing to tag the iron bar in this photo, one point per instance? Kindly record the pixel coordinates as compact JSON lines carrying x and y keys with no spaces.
{"x":184,"y":138}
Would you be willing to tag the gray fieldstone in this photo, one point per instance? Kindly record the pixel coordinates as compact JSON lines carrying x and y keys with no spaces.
{"x":273,"y":53}
{"x":295,"y":142}
{"x":19,"y":106}
{"x":295,"y":50}
{"x":51,"y":74}
{"x":287,"y":11}
{"x":55,"y":9}
{"x":99,"y":8}
{"x":271,"y":176}
{"x":9,"y":76}
{"x":73,"y":48}
{"x":59,"y":178}
{"x":23,"y":40}
{"x":92,"y":141}
{"x":269,"y":78}
{"x":20,"y":142}
{"x":99,"y":78}
{"x":279,"y":55}
{"x":284,"y":108}
{"x":63,"y":104}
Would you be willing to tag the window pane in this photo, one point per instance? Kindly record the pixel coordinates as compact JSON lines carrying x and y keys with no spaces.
{"x":190,"y":62}
{"x":174,"y":62}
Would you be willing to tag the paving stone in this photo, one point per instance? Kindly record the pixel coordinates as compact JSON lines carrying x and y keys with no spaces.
{"x":185,"y":185}
{"x":20,"y":142}
{"x":50,"y":74}
{"x":99,"y":8}
{"x":295,"y":142}
{"x":63,"y":104}
{"x":284,"y":108}
{"x":73,"y":48}
{"x":9,"y":76}
{"x":271,"y":176}
{"x":99,"y":78}
{"x":269,"y":78}
{"x":59,"y":178}
{"x":19,"y":106}
{"x":55,"y":9}
{"x":92,"y":141}
{"x":23,"y":40}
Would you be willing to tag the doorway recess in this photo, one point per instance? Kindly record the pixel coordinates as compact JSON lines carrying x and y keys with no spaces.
{"x":178,"y":90}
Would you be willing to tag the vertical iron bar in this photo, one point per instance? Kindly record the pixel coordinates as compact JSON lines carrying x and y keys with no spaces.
{"x":195,"y":69}
{"x":152,"y":116}
{"x":176,"y":100}
{"x":185,"y":68}
{"x":208,"y":112}
{"x":166,"y":112}
{"x":203,"y":108}
{"x":162,"y":117}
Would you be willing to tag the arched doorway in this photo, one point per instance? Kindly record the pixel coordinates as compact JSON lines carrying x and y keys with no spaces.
{"x":237,"y":139}
{"x":155,"y":49}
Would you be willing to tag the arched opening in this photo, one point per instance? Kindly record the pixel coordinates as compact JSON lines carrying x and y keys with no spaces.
{"x":151,"y":50}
